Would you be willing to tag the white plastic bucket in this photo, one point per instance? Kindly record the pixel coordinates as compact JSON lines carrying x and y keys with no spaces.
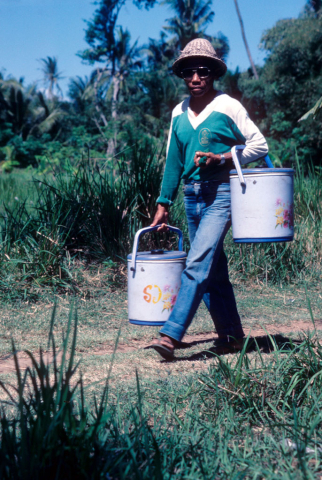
{"x":154,"y":280}
{"x":262,"y":206}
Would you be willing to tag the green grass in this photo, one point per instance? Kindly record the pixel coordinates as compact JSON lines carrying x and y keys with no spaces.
{"x":253,"y":415}
{"x":69,"y":415}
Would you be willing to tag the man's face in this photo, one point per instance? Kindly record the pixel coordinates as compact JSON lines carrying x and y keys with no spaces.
{"x":198,"y":87}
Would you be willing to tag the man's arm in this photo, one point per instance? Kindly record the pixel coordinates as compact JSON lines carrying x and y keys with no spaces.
{"x":256,"y":146}
{"x":173,"y":168}
{"x":171,"y":180}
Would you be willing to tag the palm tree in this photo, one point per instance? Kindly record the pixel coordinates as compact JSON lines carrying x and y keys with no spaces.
{"x":111,"y":81}
{"x":46,"y":116}
{"x":126,"y":60}
{"x":51,"y":75}
{"x":160,"y":52}
{"x":110,"y":45}
{"x":245,"y":40}
{"x":314,"y":5}
{"x":191,"y":20}
{"x":18,"y":105}
{"x":81,"y":91}
{"x":27,"y":110}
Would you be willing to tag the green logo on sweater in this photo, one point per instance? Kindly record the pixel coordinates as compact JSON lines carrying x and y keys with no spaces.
{"x":204,"y":137}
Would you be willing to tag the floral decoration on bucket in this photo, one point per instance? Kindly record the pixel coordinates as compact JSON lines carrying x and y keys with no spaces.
{"x":284,"y":214}
{"x":169,"y":297}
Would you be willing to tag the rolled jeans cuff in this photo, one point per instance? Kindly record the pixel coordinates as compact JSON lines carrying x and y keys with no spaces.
{"x":173,"y":330}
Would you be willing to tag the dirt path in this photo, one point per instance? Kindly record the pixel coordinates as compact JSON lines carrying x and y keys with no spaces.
{"x":7,"y":363}
{"x":190,"y":340}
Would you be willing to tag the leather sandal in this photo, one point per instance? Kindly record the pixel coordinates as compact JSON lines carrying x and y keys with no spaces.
{"x":163,"y":346}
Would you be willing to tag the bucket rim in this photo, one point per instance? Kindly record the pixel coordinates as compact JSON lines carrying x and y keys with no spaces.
{"x":167,"y":256}
{"x":259,"y":171}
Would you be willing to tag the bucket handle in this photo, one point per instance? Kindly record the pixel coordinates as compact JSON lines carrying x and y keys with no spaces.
{"x":237,"y":164}
{"x":151,"y":229}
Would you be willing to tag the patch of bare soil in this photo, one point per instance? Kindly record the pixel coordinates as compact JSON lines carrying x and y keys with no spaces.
{"x":7,"y":363}
{"x":191,"y":340}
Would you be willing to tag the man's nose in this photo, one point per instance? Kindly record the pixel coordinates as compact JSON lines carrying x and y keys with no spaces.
{"x":195,"y":77}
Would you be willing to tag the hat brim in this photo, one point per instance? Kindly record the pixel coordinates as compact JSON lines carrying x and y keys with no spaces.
{"x":219,"y":67}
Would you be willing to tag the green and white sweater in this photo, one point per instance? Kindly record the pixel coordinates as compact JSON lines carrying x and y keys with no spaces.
{"x":221,"y":125}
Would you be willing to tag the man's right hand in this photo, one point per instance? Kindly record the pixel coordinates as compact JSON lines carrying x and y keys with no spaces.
{"x":161,"y":217}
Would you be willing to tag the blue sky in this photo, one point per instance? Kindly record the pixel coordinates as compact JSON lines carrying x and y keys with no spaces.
{"x":34,"y":29}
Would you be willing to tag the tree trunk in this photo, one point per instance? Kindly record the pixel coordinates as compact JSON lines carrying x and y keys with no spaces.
{"x":116,"y":89}
{"x":97,"y":102}
{"x":112,"y":141}
{"x":245,"y":41}
{"x":50,"y":90}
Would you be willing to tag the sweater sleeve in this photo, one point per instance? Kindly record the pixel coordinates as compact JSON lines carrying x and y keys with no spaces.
{"x":256,"y":146}
{"x":173,"y":168}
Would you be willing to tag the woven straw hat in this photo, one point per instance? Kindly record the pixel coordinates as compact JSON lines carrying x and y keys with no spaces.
{"x":200,"y":48}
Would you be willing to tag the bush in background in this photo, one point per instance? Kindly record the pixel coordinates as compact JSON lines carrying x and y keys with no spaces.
{"x":92,"y":211}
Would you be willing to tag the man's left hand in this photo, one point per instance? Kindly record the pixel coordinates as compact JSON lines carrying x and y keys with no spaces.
{"x":206,"y":159}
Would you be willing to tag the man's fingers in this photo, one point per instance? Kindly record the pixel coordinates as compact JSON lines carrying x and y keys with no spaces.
{"x":163,"y":228}
{"x":160,"y":221}
{"x":202,"y":154}
{"x":201,"y":159}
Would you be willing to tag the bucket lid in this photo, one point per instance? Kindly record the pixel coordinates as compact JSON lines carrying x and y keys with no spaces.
{"x":260,"y":171}
{"x":157,"y":255}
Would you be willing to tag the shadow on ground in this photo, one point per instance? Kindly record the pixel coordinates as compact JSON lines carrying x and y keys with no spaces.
{"x":264,"y":343}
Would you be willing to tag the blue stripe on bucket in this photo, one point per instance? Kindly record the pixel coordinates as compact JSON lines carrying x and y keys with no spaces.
{"x":263,"y":240}
{"x":146,"y":323}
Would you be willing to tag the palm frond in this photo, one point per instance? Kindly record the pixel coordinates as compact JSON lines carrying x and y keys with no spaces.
{"x":315,"y":111}
{"x":47,"y":124}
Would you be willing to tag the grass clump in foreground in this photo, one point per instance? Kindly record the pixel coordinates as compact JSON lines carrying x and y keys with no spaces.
{"x":248,"y":417}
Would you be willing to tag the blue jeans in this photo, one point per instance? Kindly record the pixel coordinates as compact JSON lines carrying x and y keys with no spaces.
{"x":205,"y":277}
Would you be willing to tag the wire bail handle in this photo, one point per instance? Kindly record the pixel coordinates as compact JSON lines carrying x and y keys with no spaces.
{"x":151,"y":229}
{"x":234,"y":152}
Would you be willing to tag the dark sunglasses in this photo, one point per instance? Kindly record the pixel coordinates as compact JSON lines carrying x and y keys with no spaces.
{"x":202,"y":72}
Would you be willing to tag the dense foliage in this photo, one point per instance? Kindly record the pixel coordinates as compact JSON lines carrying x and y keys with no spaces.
{"x":290,"y":83}
{"x":131,"y":90}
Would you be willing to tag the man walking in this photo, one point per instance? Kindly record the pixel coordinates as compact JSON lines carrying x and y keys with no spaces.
{"x":203,"y":130}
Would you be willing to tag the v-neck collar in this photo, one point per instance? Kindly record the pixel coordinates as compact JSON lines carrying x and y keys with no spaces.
{"x":195,"y":121}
